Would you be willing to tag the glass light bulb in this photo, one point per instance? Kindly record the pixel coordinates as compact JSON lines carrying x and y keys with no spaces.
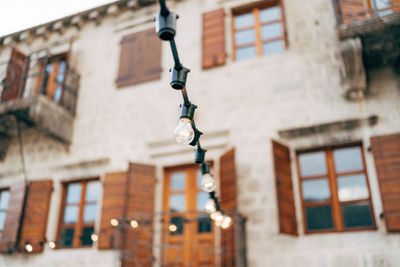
{"x":207,"y":183}
{"x":172,"y":227}
{"x":226,"y":222}
{"x":216,"y":216}
{"x":94,"y":237}
{"x":114,"y":222}
{"x":28,"y":248}
{"x":134,"y":224}
{"x":52,"y":244}
{"x":184,"y":133}
{"x":210,"y":206}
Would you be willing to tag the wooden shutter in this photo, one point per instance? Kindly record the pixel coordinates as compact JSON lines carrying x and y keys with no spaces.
{"x":140,"y":58}
{"x":284,"y":189}
{"x":396,"y":5}
{"x":17,"y":68}
{"x":386,"y":151}
{"x":138,"y":243}
{"x":36,"y":213}
{"x":9,"y":239}
{"x":214,"y":38}
{"x":352,"y":10}
{"x":114,"y":199}
{"x":228,"y":204}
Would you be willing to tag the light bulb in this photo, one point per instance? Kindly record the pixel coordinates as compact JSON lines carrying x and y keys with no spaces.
{"x":184,"y":133}
{"x":114,"y":222}
{"x":28,"y":248}
{"x":94,"y":237}
{"x":207,"y":183}
{"x":52,"y":244}
{"x":172,"y":227}
{"x":226,"y":222}
{"x":216,"y":216}
{"x":210,"y":206}
{"x":134,"y":224}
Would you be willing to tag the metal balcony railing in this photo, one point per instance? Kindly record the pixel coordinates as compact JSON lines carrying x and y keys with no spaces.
{"x":52,"y":77}
{"x":348,"y":11}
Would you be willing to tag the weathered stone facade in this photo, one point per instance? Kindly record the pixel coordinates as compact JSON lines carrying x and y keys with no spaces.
{"x":242,"y":104}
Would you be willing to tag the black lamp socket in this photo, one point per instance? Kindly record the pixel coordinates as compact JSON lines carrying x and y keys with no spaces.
{"x":166,"y":26}
{"x":205,"y":168}
{"x":187,"y":111}
{"x":200,"y":155}
{"x":196,"y":137}
{"x":178,"y":77}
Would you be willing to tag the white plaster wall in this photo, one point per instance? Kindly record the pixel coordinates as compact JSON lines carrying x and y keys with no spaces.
{"x":252,"y":100}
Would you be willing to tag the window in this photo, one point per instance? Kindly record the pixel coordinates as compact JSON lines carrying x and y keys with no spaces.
{"x":258,"y":30}
{"x":335,"y":191}
{"x":4,"y":198}
{"x":79,"y":211}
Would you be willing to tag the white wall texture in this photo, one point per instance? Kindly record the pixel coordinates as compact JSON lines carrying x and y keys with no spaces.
{"x":246,"y":102}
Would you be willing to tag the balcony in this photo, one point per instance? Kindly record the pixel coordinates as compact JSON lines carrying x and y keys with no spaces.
{"x":40,"y":93}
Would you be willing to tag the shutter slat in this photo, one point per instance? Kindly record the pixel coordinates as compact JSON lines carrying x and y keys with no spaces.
{"x":387,"y":162}
{"x":9,"y":238}
{"x":228,"y":203}
{"x":284,"y":189}
{"x":214,"y":53}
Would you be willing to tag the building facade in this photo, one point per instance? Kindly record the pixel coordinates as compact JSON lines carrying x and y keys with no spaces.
{"x":299,"y":105}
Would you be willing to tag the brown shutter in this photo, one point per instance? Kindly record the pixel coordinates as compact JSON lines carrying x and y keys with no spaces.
{"x":228,"y":205}
{"x":284,"y":189}
{"x":396,"y":5}
{"x":138,"y":244}
{"x":9,"y":238}
{"x":36,"y":213}
{"x":14,"y":82}
{"x":214,"y":38}
{"x":352,"y":10}
{"x":386,"y":151}
{"x":140,"y":58}
{"x":114,"y":199}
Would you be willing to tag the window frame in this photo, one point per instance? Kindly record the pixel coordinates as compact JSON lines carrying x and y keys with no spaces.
{"x":76,"y":240}
{"x":334,"y":202}
{"x":255,"y":8}
{"x":2,"y":190}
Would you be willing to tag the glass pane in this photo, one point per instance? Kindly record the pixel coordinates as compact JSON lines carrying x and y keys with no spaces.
{"x":178,"y":180}
{"x":205,"y":225}
{"x":177,"y":202}
{"x":92,"y":191}
{"x":245,"y":37}
{"x":316,"y":190}
{"x":268,"y":14}
{"x":244,"y":20}
{"x":382,"y":4}
{"x":312,"y":164}
{"x":271,"y":31}
{"x":348,"y":159}
{"x":74,"y":193}
{"x":357,"y":215}
{"x":2,"y":219}
{"x":352,"y":187}
{"x":202,"y":198}
{"x":67,"y":236}
{"x":319,"y":218}
{"x":86,"y":238}
{"x":198,"y":177}
{"x":275,"y":47}
{"x":89,"y":213}
{"x":178,"y":222}
{"x":71,"y":214}
{"x":245,"y":52}
{"x":4,"y":197}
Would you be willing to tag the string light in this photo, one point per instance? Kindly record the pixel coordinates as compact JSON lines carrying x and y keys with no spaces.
{"x":134,"y":224}
{"x":186,"y":131}
{"x":94,"y":237}
{"x":172,"y":228}
{"x":52,"y":244}
{"x":114,"y":222}
{"x":28,"y":248}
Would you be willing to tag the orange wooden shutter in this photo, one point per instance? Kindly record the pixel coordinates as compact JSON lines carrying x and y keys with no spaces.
{"x":9,"y":239}
{"x":284,"y":189}
{"x":214,"y":38}
{"x":352,"y":10}
{"x":140,"y":58}
{"x":386,"y":151}
{"x":228,"y":204}
{"x":36,"y":213}
{"x":396,"y":5}
{"x":138,"y":243}
{"x":114,"y":199}
{"x":15,"y":79}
